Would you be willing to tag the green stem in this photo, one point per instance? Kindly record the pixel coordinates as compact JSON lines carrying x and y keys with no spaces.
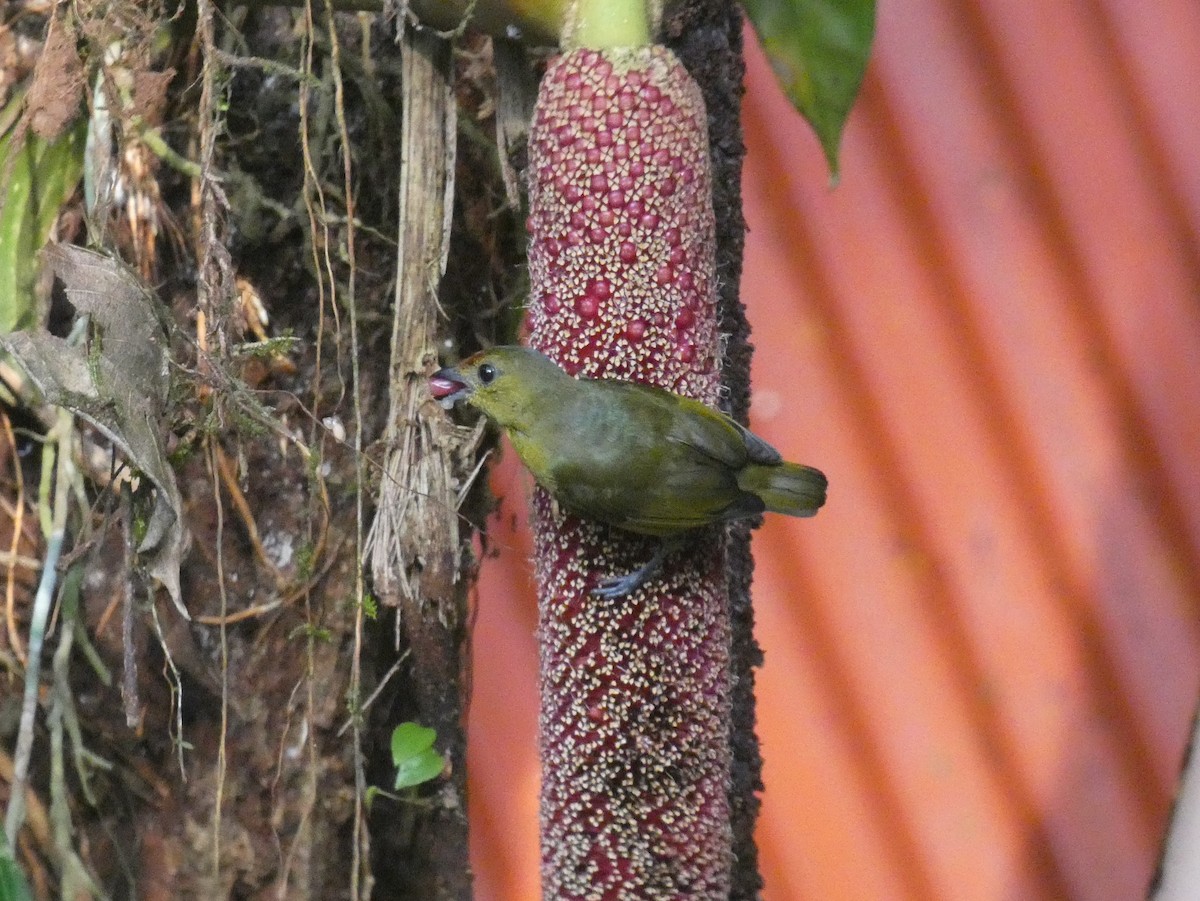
{"x":607,"y":25}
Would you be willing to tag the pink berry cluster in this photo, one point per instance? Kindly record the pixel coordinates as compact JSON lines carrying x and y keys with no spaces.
{"x":621,"y":223}
{"x":634,"y":733}
{"x":634,"y":724}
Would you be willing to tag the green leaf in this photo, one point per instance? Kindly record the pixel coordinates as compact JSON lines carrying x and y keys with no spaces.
{"x":413,"y":755}
{"x":38,"y":178}
{"x":819,"y":51}
{"x":409,"y":740}
{"x":415,"y":770}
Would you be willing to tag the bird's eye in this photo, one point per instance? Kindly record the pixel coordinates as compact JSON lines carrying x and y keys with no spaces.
{"x":487,"y":372}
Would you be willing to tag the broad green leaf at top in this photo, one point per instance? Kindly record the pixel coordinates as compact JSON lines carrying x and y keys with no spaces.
{"x":819,"y":51}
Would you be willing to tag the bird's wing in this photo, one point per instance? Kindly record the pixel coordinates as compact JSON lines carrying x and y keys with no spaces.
{"x":717,"y":436}
{"x":758,"y":450}
{"x":653,"y":462}
{"x":704,"y":450}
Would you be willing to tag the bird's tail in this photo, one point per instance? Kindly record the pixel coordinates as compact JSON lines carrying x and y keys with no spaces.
{"x":786,"y":488}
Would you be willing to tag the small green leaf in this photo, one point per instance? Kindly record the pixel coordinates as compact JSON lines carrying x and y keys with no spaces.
{"x":409,"y":740}
{"x":421,"y":768}
{"x":819,"y":51}
{"x":413,"y":755}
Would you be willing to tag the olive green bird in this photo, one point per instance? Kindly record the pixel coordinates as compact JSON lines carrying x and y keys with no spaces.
{"x":634,"y":456}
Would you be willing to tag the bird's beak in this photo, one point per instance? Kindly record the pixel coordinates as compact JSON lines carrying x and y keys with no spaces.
{"x":448,"y":387}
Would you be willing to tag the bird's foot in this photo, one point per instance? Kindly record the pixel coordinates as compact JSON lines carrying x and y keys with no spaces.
{"x":619,"y":586}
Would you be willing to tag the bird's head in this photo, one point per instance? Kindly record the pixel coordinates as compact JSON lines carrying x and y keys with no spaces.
{"x":503,"y":382}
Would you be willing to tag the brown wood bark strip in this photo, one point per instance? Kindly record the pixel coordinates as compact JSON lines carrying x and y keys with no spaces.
{"x":415,"y":547}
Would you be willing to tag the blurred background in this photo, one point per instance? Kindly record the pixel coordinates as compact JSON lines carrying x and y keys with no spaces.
{"x":983,"y":657}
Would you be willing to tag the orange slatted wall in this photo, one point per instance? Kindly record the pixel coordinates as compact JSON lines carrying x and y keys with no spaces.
{"x":982,"y":657}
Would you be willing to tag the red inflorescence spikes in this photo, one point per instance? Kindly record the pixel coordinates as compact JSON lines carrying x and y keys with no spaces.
{"x":635,"y":691}
{"x":620,"y":196}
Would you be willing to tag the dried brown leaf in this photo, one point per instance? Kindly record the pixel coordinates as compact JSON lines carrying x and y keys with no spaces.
{"x":121,"y":388}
